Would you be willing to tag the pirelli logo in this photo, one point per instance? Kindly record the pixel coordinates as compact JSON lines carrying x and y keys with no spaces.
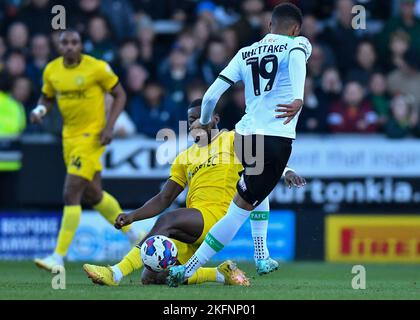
{"x":372,"y":238}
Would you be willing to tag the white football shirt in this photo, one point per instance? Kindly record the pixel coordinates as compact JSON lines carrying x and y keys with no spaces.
{"x":264,"y":69}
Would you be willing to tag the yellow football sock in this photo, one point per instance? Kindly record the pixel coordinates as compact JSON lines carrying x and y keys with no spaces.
{"x":69,"y":223}
{"x":203,"y":275}
{"x":109,"y":208}
{"x":131,"y":262}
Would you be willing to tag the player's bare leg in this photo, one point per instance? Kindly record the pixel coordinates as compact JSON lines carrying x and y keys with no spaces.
{"x":185,"y":225}
{"x":74,"y":186}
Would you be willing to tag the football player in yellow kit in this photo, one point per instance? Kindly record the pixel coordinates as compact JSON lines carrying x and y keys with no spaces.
{"x":211,"y":170}
{"x":79,"y":83}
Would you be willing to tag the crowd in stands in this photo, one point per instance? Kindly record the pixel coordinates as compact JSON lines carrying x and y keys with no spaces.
{"x":167,"y":52}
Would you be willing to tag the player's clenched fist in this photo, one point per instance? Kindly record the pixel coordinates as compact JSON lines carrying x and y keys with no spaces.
{"x":123,"y":220}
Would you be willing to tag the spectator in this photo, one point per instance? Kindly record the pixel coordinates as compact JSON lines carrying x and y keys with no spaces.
{"x":175,"y":9}
{"x":175,"y":77}
{"x":201,"y":33}
{"x":37,"y":16}
{"x":128,"y":55}
{"x":230,"y":39}
{"x":149,"y":53}
{"x":311,"y":29}
{"x":152,"y":111}
{"x":366,"y":63}
{"x":18,"y":37}
{"x":405,"y":21}
{"x":406,"y":79}
{"x":330,"y":89}
{"x":215,"y":62}
{"x":248,"y":27}
{"x":195,"y":91}
{"x":206,"y":11}
{"x":405,"y":117}
{"x":187,"y":42}
{"x":83,"y":13}
{"x":233,"y":111}
{"x":15,"y":64}
{"x":135,"y":79}
{"x":121,"y":16}
{"x":317,"y":65}
{"x":379,"y":97}
{"x":398,"y":46}
{"x":22,"y":92}
{"x":40,"y":55}
{"x":312,"y":119}
{"x":342,"y":37}
{"x":353,"y":113}
{"x":99,"y":43}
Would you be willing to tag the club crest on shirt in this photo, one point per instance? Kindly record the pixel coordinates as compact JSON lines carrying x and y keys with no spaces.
{"x":80,"y":80}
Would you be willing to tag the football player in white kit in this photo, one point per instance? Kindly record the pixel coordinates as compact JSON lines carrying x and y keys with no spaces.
{"x":273,"y":71}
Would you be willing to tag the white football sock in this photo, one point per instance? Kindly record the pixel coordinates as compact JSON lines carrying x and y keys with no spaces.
{"x":59,"y":258}
{"x":220,"y":277}
{"x":259,"y":225}
{"x":218,"y":236}
{"x":118,"y":275}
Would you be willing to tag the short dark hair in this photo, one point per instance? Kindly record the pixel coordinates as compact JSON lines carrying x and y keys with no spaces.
{"x":70,"y":30}
{"x":286,"y":14}
{"x":195,"y":103}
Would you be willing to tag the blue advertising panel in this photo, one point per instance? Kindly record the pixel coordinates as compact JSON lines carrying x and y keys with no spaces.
{"x":29,"y":235}
{"x":26,"y":236}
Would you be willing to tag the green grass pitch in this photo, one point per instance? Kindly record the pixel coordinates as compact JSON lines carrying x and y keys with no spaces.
{"x":301,"y":280}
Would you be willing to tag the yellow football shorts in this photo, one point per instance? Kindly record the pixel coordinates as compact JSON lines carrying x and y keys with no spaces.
{"x":82,"y":156}
{"x":210,"y":217}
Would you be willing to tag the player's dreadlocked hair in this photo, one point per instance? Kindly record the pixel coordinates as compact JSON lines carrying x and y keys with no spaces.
{"x":286,"y":14}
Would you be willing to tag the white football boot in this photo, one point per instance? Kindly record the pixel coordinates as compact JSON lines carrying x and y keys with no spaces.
{"x":49,"y":262}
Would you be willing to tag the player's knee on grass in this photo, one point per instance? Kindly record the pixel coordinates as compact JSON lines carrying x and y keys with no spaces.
{"x":149,"y":277}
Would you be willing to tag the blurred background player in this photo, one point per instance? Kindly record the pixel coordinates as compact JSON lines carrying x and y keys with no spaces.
{"x":79,"y":83}
{"x":211,"y":171}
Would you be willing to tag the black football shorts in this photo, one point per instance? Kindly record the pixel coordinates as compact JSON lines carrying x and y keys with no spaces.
{"x":263,"y":167}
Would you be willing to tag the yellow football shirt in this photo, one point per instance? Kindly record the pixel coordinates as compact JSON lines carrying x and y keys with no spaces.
{"x":211,"y":172}
{"x":80,"y":93}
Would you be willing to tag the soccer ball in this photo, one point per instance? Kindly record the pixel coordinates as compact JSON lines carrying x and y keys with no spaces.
{"x":158,"y":253}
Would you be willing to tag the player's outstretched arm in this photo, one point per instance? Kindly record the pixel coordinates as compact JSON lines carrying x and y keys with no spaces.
{"x":45,"y":104}
{"x":153,"y":207}
{"x":120,"y":98}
